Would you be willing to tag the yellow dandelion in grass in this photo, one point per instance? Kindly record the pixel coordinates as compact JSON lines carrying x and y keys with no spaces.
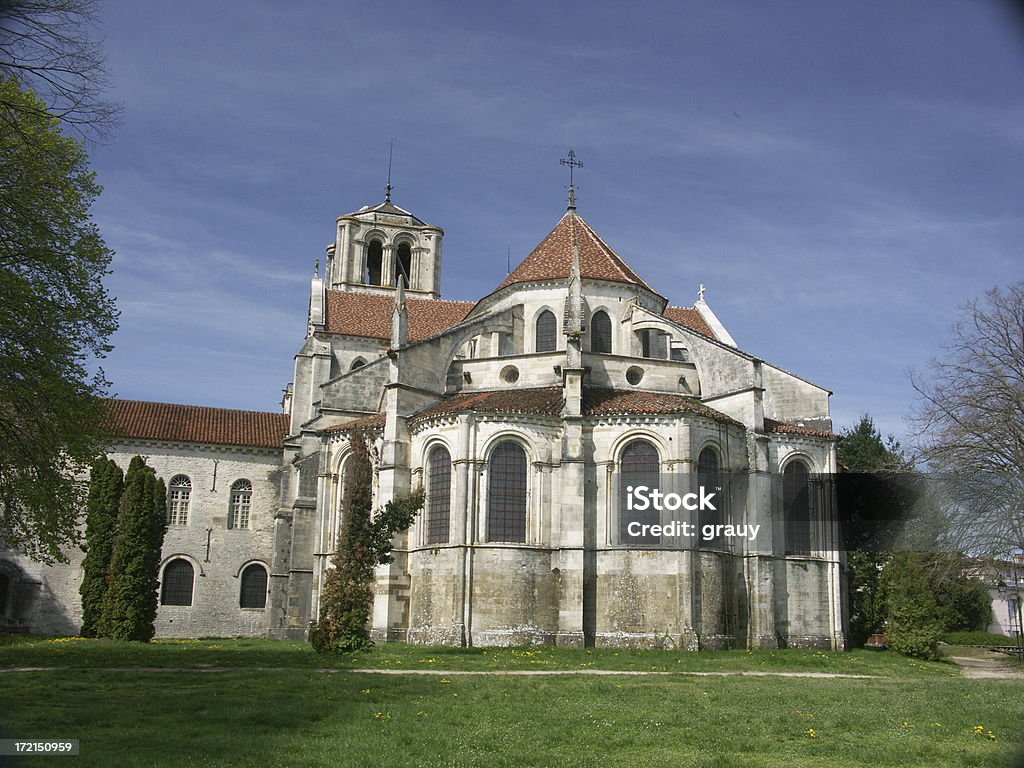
{"x":421,"y":713}
{"x":365,"y":691}
{"x":991,"y":736}
{"x":811,"y":733}
{"x":936,"y":725}
{"x":906,"y":726}
{"x":979,"y":729}
{"x":445,"y":681}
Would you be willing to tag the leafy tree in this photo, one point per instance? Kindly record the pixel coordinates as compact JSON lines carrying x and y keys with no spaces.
{"x":912,"y":626}
{"x":129,"y":607}
{"x":105,"y":487}
{"x":346,"y":599}
{"x":55,"y":321}
{"x":969,"y":423}
{"x":46,"y":45}
{"x":963,"y":601}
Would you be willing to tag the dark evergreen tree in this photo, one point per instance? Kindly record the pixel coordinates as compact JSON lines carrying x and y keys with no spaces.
{"x":868,"y":488}
{"x":346,"y":599}
{"x":129,"y":608}
{"x":912,"y":626}
{"x":106,"y":483}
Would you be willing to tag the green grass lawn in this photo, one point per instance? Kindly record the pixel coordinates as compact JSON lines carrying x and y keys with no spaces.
{"x":279,"y":710}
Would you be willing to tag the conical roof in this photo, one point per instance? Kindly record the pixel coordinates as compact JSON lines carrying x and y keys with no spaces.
{"x":552,"y":259}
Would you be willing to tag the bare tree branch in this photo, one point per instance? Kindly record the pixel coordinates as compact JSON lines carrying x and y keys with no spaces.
{"x":47,"y":47}
{"x":969,"y":423}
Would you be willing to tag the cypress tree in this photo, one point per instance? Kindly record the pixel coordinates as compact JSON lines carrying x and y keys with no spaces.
{"x":913,"y":627}
{"x":346,"y":599}
{"x":129,"y":608}
{"x":106,"y":482}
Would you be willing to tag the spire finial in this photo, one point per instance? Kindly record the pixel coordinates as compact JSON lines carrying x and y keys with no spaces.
{"x":388,"y":188}
{"x":573,"y":163}
{"x":316,"y":268}
{"x":700,"y":292}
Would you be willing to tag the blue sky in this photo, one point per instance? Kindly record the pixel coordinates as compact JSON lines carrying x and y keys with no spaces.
{"x":841,"y":176}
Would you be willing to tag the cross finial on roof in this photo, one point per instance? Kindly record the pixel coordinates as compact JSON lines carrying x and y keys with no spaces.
{"x":573,"y":163}
{"x":700,"y":292}
{"x":388,"y":188}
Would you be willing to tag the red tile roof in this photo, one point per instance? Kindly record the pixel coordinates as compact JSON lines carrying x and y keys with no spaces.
{"x":195,"y":424}
{"x":619,"y":402}
{"x":367,"y":423}
{"x":691,"y":318}
{"x":548,"y":401}
{"x":552,"y":259}
{"x":538,"y":400}
{"x":352,"y":313}
{"x":781,"y":427}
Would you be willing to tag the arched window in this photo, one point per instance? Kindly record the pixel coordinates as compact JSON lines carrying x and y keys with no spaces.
{"x":176,"y":586}
{"x":254,"y":587}
{"x":374,"y":262}
{"x":179,"y":497}
{"x":506,"y":493}
{"x":709,"y":477}
{"x":547,"y":331}
{"x":601,"y":333}
{"x":439,"y":495}
{"x":639,"y":465}
{"x":403,"y":264}
{"x":241,"y":504}
{"x":357,"y":363}
{"x":796,"y":508}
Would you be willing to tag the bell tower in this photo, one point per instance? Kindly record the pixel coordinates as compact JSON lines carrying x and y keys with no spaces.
{"x":380,"y":245}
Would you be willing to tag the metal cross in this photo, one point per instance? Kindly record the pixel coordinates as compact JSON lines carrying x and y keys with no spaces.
{"x":572,"y":162}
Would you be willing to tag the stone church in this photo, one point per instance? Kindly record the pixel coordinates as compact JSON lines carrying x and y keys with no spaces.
{"x":528,"y":416}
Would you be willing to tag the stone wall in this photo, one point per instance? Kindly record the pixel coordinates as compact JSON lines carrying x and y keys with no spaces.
{"x":54,"y":606}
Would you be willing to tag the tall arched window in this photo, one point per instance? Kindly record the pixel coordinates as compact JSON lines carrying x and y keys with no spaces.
{"x":506,"y":493}
{"x":709,"y":477}
{"x":601,"y":333}
{"x":374,"y":262}
{"x":547,"y":331}
{"x":796,"y":507}
{"x":439,"y":495}
{"x":176,"y":585}
{"x":179,"y":497}
{"x":403,"y":264}
{"x":639,"y":465}
{"x":241,"y":504}
{"x":254,"y":587}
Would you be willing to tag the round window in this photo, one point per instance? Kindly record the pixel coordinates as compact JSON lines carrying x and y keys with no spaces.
{"x":510,"y":374}
{"x":634,"y":374}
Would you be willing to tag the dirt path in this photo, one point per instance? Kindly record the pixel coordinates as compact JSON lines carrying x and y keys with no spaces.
{"x":981,"y":664}
{"x":473,"y":672}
